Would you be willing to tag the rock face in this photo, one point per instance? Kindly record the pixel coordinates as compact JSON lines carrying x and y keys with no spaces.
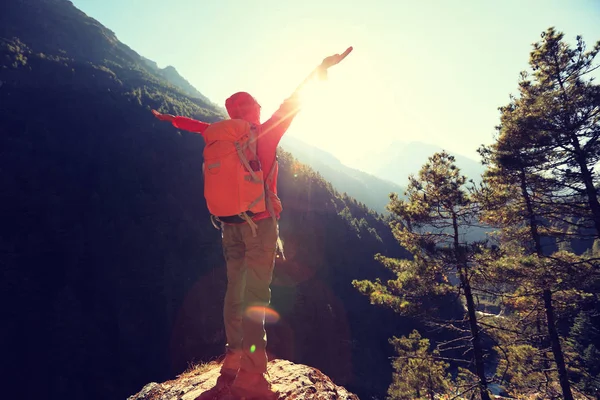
{"x":293,"y":381}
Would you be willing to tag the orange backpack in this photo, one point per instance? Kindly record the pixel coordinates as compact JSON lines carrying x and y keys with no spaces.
{"x":233,"y":180}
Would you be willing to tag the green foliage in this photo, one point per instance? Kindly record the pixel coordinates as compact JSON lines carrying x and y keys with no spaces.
{"x":418,"y":372}
{"x":535,"y":285}
{"x":528,"y":373}
{"x":433,"y":200}
{"x":553,"y":126}
{"x":428,"y":224}
{"x":584,"y":337}
{"x":13,"y":52}
{"x":538,"y":191}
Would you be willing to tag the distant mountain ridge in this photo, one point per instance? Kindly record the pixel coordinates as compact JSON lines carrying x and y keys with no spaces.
{"x":171,"y":74}
{"x":368,"y":189}
{"x":397,"y":161}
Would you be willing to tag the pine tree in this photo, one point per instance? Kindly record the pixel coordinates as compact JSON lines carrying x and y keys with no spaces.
{"x":540,"y":185}
{"x":520,"y":199}
{"x":557,"y":117}
{"x":430,"y":224}
{"x":418,"y":372}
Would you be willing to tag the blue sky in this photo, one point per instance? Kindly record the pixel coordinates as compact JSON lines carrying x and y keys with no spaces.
{"x":430,"y":71}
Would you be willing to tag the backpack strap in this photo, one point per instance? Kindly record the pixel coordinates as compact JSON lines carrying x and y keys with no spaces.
{"x":250,"y":144}
{"x":244,"y":160}
{"x":269,"y":204}
{"x":252,"y":141}
{"x":216,"y":222}
{"x":251,"y":223}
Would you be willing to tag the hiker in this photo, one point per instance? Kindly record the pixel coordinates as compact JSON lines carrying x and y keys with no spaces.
{"x":248,"y":222}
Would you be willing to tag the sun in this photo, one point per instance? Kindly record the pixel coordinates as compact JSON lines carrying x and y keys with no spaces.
{"x":341,"y":114}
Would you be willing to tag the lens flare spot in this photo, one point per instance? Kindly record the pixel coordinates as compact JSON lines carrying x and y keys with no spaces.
{"x":252,"y":349}
{"x":262,"y":313}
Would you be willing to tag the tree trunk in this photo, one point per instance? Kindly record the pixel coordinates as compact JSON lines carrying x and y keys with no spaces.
{"x":563,"y":377}
{"x":547,"y":295}
{"x":533,"y":226}
{"x":477,"y":347}
{"x":586,"y":174}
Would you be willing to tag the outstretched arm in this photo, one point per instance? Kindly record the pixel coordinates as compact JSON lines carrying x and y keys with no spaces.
{"x":183,"y":123}
{"x":278,"y":124}
{"x":321,"y":70}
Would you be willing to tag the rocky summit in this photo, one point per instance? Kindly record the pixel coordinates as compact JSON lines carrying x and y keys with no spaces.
{"x":292,"y":381}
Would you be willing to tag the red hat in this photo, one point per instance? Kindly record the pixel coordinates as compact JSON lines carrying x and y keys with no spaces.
{"x":236,"y":100}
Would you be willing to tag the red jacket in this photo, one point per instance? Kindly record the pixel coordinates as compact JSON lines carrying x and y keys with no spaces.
{"x":270,"y":133}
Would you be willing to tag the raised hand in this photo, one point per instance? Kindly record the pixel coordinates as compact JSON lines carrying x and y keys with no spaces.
{"x":321,"y":70}
{"x":335,"y":59}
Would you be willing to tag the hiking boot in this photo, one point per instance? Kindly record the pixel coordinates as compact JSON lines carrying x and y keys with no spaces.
{"x":253,"y":386}
{"x":231,"y":360}
{"x":224,"y":381}
{"x":226,"y":378}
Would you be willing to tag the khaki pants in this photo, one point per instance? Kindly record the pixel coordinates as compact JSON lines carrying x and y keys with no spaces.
{"x":250,"y":262}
